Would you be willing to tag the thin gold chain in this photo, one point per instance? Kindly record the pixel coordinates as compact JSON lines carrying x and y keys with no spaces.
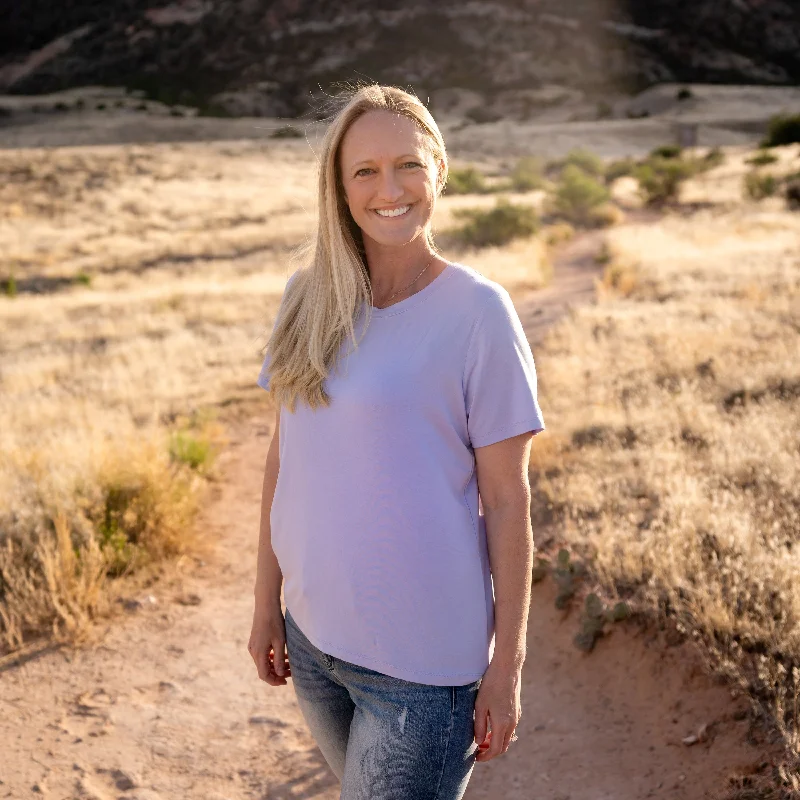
{"x":412,"y":282}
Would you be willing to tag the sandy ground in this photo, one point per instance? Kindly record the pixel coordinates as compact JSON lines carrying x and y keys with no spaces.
{"x":167,"y":703}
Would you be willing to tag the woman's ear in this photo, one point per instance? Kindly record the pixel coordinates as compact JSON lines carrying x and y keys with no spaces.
{"x":439,"y":175}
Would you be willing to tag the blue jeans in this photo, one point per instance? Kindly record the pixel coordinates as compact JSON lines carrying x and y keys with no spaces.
{"x":384,"y":738}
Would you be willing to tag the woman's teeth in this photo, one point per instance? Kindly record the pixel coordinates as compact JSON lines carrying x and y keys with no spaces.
{"x":395,"y":213}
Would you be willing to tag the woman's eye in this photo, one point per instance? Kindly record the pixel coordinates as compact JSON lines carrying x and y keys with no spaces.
{"x":363,"y":169}
{"x":412,"y":164}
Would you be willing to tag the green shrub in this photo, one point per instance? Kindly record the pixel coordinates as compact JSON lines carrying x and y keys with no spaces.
{"x":684,"y":93}
{"x":666,"y":151}
{"x":590,"y":163}
{"x":497,"y":225}
{"x":782,"y":129}
{"x":83,"y":278}
{"x":10,"y":286}
{"x":713,"y":158}
{"x":660,"y":179}
{"x":577,"y":194}
{"x":584,"y":160}
{"x":758,"y":185}
{"x":527,"y":174}
{"x":619,"y":168}
{"x":791,"y":193}
{"x":465,"y":181}
{"x":189,"y":449}
{"x":762,"y":159}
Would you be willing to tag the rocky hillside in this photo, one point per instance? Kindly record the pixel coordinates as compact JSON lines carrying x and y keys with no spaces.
{"x":278,"y":57}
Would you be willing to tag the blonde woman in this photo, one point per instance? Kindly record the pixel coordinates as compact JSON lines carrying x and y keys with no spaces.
{"x":405,"y":387}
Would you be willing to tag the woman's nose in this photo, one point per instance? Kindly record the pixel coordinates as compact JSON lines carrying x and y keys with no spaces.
{"x":389,"y":188}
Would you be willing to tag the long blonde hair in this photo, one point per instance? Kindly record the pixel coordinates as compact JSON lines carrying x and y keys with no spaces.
{"x":320,"y":306}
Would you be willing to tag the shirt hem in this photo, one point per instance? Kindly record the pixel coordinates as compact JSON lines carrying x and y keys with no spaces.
{"x":441,"y":678}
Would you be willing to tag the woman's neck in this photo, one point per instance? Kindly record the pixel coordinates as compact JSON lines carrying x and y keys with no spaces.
{"x":391,"y":269}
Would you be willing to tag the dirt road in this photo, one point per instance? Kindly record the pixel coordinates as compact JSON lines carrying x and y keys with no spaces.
{"x":169,"y":706}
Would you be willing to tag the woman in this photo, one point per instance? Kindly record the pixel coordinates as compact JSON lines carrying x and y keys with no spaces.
{"x":405,"y":387}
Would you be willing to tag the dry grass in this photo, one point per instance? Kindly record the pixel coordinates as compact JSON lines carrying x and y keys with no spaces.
{"x":148,"y":277}
{"x":676,"y":405}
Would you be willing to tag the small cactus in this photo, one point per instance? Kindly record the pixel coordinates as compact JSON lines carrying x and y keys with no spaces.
{"x":540,"y":569}
{"x":565,"y":593}
{"x":591,"y":631}
{"x":594,"y":606}
{"x":619,"y":612}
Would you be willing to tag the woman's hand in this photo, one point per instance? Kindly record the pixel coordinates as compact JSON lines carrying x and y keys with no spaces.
{"x":498,"y":699}
{"x":267,"y":646}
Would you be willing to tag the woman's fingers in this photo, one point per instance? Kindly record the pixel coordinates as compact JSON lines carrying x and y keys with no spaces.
{"x":495,"y":744}
{"x":264,"y":659}
{"x":270,"y":674}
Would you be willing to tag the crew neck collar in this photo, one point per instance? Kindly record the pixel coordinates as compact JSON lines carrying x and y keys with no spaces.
{"x":417,"y":297}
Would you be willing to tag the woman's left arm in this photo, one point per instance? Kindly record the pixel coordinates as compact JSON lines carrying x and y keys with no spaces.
{"x":502,"y":472}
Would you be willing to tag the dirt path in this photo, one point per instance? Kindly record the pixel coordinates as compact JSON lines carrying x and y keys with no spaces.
{"x":169,"y":706}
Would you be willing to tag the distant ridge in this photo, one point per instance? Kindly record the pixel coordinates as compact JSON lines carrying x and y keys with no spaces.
{"x":284,"y":54}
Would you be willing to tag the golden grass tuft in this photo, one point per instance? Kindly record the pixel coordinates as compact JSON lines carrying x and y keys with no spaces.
{"x":129,"y":507}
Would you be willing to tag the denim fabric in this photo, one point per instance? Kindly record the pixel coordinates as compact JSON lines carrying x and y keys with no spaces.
{"x":385,"y":738}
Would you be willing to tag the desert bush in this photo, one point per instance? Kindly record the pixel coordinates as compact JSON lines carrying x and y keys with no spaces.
{"x":684,"y":93}
{"x":590,"y":163}
{"x":762,"y":159}
{"x":660,"y":179}
{"x":10,"y":286}
{"x":620,"y":277}
{"x":713,"y":158}
{"x":782,"y":129}
{"x":577,"y":194}
{"x":527,"y":174}
{"x":468,"y":180}
{"x":496,"y":226}
{"x":666,"y":151}
{"x":758,"y":185}
{"x":619,"y":169}
{"x":605,"y":215}
{"x":558,"y":232}
{"x":57,"y":558}
{"x":792,"y":194}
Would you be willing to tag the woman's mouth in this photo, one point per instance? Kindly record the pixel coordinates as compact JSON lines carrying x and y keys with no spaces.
{"x":394,"y":212}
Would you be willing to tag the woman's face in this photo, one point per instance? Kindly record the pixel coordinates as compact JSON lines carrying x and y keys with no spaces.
{"x":389,"y":177}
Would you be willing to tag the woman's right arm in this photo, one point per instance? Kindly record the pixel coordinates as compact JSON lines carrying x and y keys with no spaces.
{"x":269,"y":577}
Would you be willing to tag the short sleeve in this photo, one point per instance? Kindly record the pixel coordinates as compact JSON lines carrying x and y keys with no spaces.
{"x":500,"y":387}
{"x":263,"y":375}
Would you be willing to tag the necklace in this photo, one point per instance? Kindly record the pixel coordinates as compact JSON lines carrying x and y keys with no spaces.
{"x":412,"y":282}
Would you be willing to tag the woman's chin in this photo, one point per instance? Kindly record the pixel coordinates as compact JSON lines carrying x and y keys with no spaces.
{"x":397,"y":238}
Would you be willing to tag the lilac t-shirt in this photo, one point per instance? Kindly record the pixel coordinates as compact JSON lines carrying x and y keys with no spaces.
{"x":375,"y":520}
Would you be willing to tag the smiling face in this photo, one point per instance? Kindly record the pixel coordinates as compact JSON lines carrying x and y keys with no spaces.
{"x":389,"y":177}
